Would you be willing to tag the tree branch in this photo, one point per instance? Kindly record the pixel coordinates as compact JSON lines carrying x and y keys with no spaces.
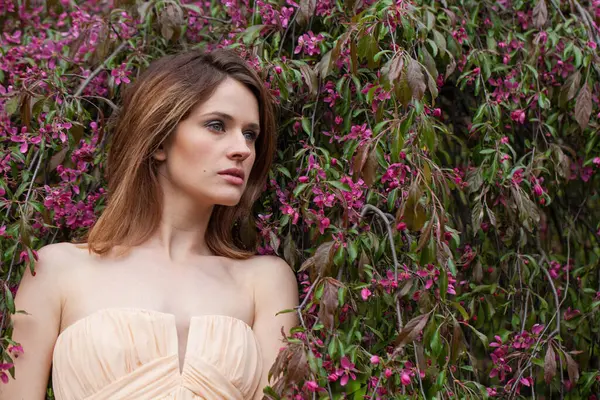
{"x":99,"y":69}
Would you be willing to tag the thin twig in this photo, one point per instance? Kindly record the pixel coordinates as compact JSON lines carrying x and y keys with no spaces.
{"x":557,"y":6}
{"x":99,"y":69}
{"x":525,"y":312}
{"x":285,"y":33}
{"x":369,"y":207}
{"x":568,"y":271}
{"x":301,"y":306}
{"x":223,"y":21}
{"x":587,"y":20}
{"x":419,"y":371}
{"x":554,"y":293}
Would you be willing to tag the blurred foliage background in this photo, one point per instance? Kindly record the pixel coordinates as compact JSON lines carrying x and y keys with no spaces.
{"x":435,"y":187}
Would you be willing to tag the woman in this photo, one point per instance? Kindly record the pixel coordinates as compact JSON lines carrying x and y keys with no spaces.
{"x":162,"y":301}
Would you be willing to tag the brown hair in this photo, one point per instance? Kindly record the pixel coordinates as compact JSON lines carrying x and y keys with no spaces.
{"x":160,"y":98}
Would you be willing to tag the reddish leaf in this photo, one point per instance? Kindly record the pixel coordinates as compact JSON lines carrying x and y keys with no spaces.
{"x":396,"y":67}
{"x":58,"y":158}
{"x":569,"y":89}
{"x":306,"y":10}
{"x":26,"y":110}
{"x":411,"y":330}
{"x":416,"y":79}
{"x":549,"y":364}
{"x":450,"y":68}
{"x":572,"y":369}
{"x":297,"y":367}
{"x":540,"y":14}
{"x":583,"y":106}
{"x":321,"y":261}
{"x":369,"y":169}
{"x":310,"y":78}
{"x":359,"y":160}
{"x":329,"y":302}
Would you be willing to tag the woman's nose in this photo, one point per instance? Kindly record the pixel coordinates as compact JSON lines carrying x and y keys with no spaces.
{"x":240,"y":148}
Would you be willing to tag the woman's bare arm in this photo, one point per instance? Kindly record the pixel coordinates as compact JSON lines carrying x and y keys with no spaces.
{"x":275,"y":289}
{"x":40,"y":297}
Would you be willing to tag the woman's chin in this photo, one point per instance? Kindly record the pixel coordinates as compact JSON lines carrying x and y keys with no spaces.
{"x":228,"y":201}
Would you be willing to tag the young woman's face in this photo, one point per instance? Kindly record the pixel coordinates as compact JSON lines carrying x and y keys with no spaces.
{"x":219,"y":135}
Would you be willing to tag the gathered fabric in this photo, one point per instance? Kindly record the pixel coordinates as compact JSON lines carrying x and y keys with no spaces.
{"x":130,"y":353}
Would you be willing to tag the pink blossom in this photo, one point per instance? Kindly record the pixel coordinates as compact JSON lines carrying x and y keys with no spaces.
{"x":312,"y":386}
{"x":323,"y":224}
{"x":347,"y":371}
{"x":518,"y":116}
{"x":517,"y":177}
{"x":387,"y":373}
{"x":15,"y":350}
{"x":4,"y":375}
{"x":405,"y":379}
{"x":24,"y":256}
{"x":121,"y":74}
{"x":309,"y":43}
{"x":570,"y":313}
{"x":523,"y":341}
{"x":497,"y":343}
{"x":365,"y":293}
{"x":375,"y":360}
{"x":537,"y":329}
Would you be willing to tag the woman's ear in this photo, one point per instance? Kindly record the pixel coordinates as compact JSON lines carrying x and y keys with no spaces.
{"x":160,"y":154}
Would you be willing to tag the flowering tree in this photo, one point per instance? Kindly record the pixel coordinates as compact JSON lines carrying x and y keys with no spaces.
{"x":436,"y":182}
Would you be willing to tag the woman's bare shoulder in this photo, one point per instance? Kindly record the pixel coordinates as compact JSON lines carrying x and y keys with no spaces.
{"x":272,"y":268}
{"x":60,"y":256}
{"x":63,"y":249}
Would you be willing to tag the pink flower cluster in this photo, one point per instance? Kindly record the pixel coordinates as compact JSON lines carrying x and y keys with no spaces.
{"x":432,"y":274}
{"x":309,"y":43}
{"x":69,"y":212}
{"x":272,"y":16}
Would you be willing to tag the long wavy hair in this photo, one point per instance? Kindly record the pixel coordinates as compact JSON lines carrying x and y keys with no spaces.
{"x":152,"y":106}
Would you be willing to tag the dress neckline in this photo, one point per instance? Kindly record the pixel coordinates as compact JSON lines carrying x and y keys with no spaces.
{"x":170,"y":316}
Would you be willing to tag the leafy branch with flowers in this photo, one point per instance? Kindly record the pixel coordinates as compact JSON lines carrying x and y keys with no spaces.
{"x":435,"y":185}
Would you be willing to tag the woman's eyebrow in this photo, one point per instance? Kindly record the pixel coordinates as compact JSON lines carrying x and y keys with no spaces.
{"x":229,"y":118}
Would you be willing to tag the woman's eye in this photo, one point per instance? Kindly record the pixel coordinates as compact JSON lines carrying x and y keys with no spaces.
{"x":251,"y":135}
{"x":217,"y":126}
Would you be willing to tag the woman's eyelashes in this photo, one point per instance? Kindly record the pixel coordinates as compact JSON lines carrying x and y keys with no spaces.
{"x":219,"y":126}
{"x":216,"y":126}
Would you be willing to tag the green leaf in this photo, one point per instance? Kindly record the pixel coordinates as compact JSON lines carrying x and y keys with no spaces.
{"x":10,"y":301}
{"x":251,"y":33}
{"x":440,"y":41}
{"x":306,"y":126}
{"x":340,"y":185}
{"x":436,"y":343}
{"x":353,"y":250}
{"x":11,"y":106}
{"x":299,"y":189}
{"x":461,"y":310}
{"x":284,"y":171}
{"x":481,"y":336}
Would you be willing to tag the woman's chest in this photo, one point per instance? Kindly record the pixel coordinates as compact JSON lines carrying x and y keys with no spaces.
{"x":182,"y":292}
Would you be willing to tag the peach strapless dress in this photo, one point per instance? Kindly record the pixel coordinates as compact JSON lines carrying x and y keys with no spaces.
{"x":132,"y":354}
